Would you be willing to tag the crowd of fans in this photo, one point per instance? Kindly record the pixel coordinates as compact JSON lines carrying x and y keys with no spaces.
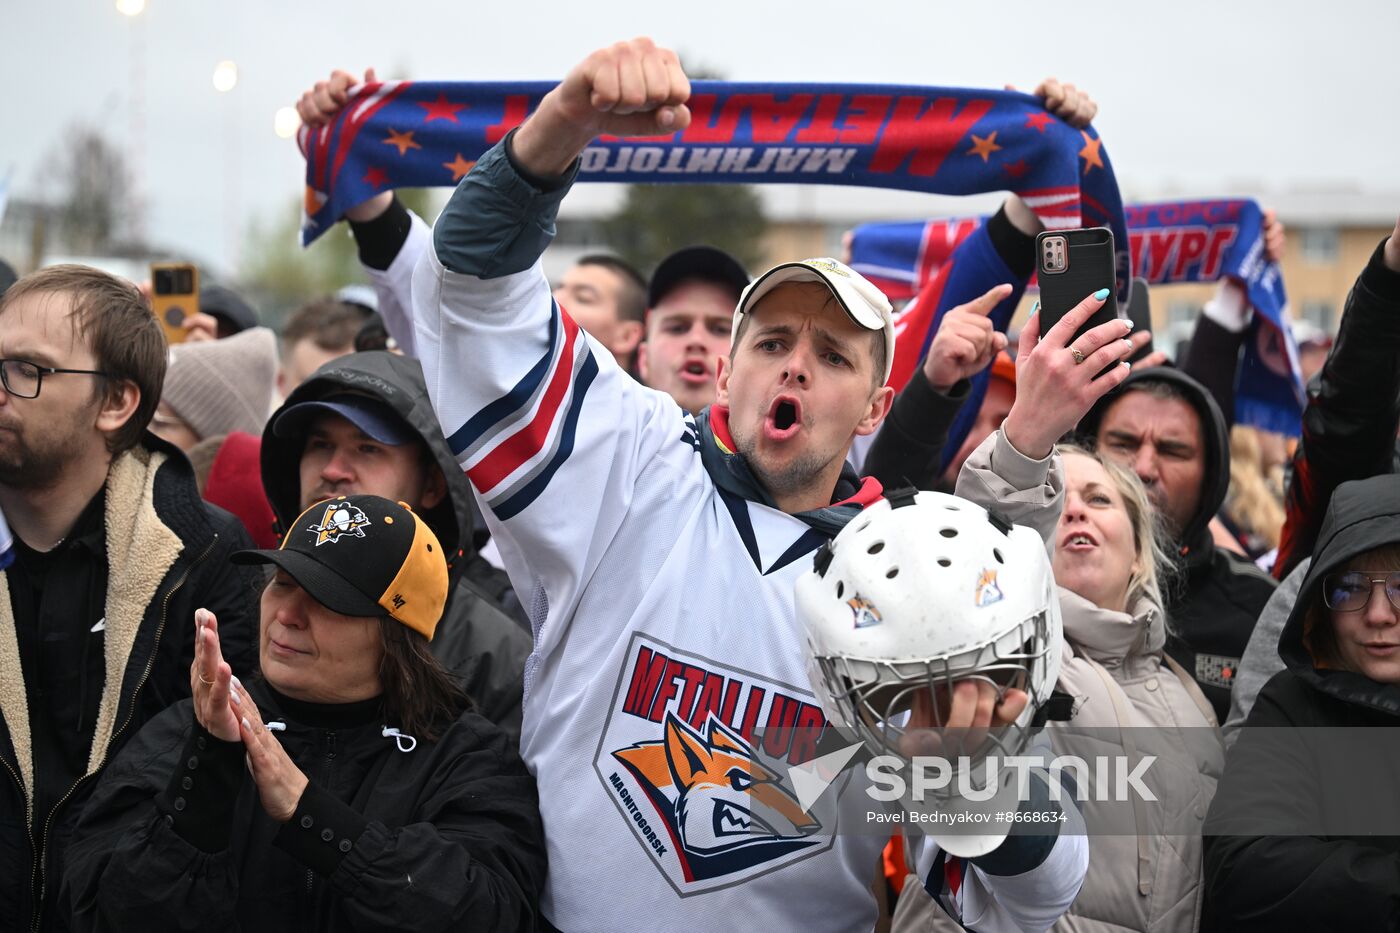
{"x":435,"y":609}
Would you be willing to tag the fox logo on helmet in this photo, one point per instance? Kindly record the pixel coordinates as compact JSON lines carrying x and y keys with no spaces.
{"x":987,"y":590}
{"x":864,"y":610}
{"x":339,"y":519}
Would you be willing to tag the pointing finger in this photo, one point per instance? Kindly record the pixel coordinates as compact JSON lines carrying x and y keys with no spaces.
{"x":985,"y":303}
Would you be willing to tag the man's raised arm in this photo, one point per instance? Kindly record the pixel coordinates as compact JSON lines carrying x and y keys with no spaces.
{"x":552,"y":434}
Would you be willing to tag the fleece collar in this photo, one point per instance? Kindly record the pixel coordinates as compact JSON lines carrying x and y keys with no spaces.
{"x":140,"y":551}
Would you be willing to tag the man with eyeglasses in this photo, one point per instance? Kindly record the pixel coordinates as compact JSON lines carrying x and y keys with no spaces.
{"x":113,"y":551}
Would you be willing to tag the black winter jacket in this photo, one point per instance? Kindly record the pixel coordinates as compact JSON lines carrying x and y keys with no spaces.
{"x":389,"y":835}
{"x":1338,"y":865}
{"x":477,"y":641}
{"x":1353,"y":409}
{"x":167,"y":555}
{"x":1217,"y":596}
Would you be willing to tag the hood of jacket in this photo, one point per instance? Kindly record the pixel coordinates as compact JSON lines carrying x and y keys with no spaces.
{"x":1194,"y":541}
{"x":398,"y":382}
{"x":1362,"y":515}
{"x":1112,"y":638}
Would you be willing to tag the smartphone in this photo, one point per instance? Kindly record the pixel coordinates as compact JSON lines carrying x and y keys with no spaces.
{"x":174,"y":297}
{"x":1140,"y":313}
{"x":1071,"y":265}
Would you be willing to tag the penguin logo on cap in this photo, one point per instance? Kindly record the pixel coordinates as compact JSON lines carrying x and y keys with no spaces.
{"x":340,"y":518}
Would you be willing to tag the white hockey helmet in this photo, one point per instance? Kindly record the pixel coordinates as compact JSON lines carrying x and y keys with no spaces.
{"x":917,"y":593}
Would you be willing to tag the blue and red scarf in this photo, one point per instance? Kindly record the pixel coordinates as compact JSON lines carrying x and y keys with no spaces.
{"x":1175,"y":242}
{"x":412,"y":134}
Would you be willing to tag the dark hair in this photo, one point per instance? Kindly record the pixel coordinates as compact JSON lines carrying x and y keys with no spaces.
{"x":632,"y":290}
{"x":126,"y":340}
{"x":877,"y":337}
{"x":420,"y":697}
{"x":329,"y":323}
{"x":1165,"y":389}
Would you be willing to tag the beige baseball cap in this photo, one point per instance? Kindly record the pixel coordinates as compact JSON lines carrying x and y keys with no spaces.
{"x":859,"y":298}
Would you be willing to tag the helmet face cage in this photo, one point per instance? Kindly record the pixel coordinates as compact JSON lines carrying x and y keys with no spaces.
{"x":876,"y":696}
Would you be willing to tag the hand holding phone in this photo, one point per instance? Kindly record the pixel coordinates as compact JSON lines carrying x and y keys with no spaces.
{"x":1071,"y":265}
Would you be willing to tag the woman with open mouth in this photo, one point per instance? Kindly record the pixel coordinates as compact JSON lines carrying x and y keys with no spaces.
{"x":1130,"y":699}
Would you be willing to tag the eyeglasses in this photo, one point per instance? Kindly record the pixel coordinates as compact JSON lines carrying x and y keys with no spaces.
{"x":1350,"y":591}
{"x":23,"y":379}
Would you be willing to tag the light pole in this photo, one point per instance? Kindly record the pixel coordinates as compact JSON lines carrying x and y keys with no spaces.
{"x":225,"y":80}
{"x":136,"y":111}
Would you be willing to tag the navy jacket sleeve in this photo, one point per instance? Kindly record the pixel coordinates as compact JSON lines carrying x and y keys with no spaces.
{"x":1353,"y":409}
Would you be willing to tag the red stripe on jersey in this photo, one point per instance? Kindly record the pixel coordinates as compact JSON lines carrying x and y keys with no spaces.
{"x":508,"y":455}
{"x":953,"y":874}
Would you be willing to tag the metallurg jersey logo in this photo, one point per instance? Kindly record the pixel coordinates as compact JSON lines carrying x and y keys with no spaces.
{"x":696,"y":757}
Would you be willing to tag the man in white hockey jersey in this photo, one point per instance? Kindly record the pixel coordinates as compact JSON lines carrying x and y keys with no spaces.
{"x":656,"y":552}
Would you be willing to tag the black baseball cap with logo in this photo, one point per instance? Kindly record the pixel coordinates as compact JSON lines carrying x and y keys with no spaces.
{"x":364,"y":556}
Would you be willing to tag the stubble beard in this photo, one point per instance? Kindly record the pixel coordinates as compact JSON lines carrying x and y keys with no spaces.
{"x":796,"y":476}
{"x":24,"y":467}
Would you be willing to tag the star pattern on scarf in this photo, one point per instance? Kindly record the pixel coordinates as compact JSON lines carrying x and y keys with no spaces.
{"x":441,"y":109}
{"x":1038,"y":120}
{"x":458,"y":167}
{"x":984,"y":146}
{"x":376,"y":177}
{"x":1090,"y":152}
{"x":402,"y":141}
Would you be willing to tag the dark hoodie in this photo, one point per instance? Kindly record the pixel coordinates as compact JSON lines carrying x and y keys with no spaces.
{"x":477,"y":640}
{"x":1321,"y":780}
{"x":1217,"y":596}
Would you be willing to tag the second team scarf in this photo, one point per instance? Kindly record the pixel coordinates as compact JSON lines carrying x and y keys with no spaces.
{"x":1170,"y":242}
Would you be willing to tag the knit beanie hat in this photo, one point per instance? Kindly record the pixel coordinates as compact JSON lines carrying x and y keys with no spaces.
{"x":221,"y":386}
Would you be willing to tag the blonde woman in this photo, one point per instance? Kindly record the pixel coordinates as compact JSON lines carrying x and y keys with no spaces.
{"x":1129,"y":696}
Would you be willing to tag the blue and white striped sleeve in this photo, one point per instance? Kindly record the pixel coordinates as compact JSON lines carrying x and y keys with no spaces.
{"x":552,"y":433}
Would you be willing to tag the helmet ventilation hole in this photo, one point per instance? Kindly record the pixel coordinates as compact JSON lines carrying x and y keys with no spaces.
{"x":894,"y":572}
{"x":948,"y":532}
{"x":840,"y":589}
{"x":944,"y":562}
{"x":876,"y":548}
{"x":996,"y":552}
{"x":951,"y":508}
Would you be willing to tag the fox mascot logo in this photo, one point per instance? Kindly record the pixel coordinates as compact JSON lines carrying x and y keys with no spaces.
{"x":864,"y":611}
{"x":987,"y":590}
{"x":728,"y":811}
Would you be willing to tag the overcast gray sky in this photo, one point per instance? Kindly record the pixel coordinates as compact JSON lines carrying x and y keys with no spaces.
{"x":1197,"y":98}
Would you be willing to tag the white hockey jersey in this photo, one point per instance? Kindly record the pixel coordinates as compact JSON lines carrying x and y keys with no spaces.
{"x":666,"y":640}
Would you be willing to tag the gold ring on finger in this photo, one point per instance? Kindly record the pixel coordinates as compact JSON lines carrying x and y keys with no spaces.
{"x":1078,"y":357}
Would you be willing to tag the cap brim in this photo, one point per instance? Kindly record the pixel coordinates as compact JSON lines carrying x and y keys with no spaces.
{"x":856,"y":310}
{"x":326,"y":586}
{"x":297,"y":420}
